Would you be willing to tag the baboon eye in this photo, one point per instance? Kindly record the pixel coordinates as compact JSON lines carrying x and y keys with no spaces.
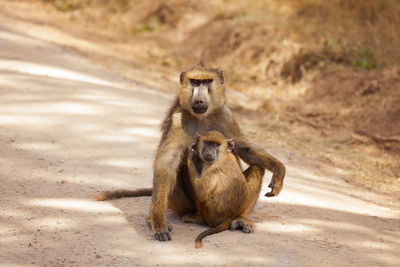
{"x":212,"y":144}
{"x":208,"y":81}
{"x":195,"y":82}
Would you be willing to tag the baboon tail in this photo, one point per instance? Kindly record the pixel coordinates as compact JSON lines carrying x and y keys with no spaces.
{"x":219,"y":228}
{"x":105,"y":195}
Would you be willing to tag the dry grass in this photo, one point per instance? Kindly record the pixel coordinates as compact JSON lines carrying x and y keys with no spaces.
{"x":254,"y":41}
{"x":355,"y":24}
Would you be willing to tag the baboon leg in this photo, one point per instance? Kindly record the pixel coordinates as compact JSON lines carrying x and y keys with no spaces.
{"x":243,"y":223}
{"x":180,"y":202}
{"x":190,"y":218}
{"x":148,"y":221}
{"x":254,"y":175}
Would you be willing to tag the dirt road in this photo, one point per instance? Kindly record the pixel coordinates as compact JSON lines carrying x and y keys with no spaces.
{"x":70,"y":128}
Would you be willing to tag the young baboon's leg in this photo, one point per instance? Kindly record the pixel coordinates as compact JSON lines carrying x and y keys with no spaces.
{"x":243,"y":223}
{"x":254,"y":175}
{"x":180,"y":202}
{"x":190,"y":218}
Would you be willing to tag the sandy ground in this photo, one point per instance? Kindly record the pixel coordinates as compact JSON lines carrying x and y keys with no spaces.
{"x":70,"y":128}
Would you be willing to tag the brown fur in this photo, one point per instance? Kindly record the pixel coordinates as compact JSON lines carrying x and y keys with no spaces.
{"x":171,"y":183}
{"x":222,"y":193}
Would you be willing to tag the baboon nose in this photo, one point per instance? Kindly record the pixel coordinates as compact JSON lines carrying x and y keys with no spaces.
{"x":209,"y":157}
{"x":199,"y":106}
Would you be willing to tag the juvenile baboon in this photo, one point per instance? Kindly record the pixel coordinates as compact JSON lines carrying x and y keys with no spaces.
{"x":198,"y":108}
{"x":222,"y":193}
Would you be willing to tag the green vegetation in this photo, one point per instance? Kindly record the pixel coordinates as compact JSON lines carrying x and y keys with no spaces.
{"x":365,"y":59}
{"x":149,"y":25}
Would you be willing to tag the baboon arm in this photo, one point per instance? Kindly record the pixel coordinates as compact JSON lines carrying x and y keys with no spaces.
{"x":168,"y":159}
{"x":201,"y":192}
{"x":255,"y":156}
{"x":193,"y":172}
{"x":166,"y":166}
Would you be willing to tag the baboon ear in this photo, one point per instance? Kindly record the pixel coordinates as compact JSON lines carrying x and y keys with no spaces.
{"x":182,"y":77}
{"x":221,"y":76}
{"x":231,"y":145}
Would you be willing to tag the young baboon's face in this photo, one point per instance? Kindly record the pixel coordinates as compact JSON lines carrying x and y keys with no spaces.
{"x":201,"y":90}
{"x":210,"y":151}
{"x":213,"y":145}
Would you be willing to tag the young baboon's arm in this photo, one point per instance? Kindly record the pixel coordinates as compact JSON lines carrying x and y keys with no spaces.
{"x":195,"y":166}
{"x":255,"y":156}
{"x":200,"y":184}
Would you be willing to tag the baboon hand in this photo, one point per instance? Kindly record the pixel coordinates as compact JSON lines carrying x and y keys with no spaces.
{"x":192,"y":151}
{"x":193,"y":148}
{"x":275,"y":189}
{"x":161,"y":233}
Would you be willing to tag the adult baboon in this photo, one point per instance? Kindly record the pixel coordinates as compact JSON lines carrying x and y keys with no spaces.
{"x":199,"y":107}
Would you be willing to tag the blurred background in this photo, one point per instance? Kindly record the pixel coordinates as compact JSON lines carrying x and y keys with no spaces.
{"x":318,"y":81}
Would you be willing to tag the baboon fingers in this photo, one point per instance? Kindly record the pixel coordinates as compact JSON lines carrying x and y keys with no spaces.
{"x":270,"y":194}
{"x":163,"y":236}
{"x":235,"y":224}
{"x":275,"y":190}
{"x":248,"y":228}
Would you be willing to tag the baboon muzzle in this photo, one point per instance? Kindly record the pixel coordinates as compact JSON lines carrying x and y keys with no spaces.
{"x":199,"y":106}
{"x":209,"y":158}
{"x":199,"y":101}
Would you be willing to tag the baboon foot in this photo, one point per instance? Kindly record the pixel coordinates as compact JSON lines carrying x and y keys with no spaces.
{"x":189,"y":218}
{"x":244,"y":224}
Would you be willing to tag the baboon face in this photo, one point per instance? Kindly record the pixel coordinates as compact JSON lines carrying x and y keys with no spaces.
{"x":201,"y":90}
{"x":210,"y":151}
{"x":213,"y":145}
